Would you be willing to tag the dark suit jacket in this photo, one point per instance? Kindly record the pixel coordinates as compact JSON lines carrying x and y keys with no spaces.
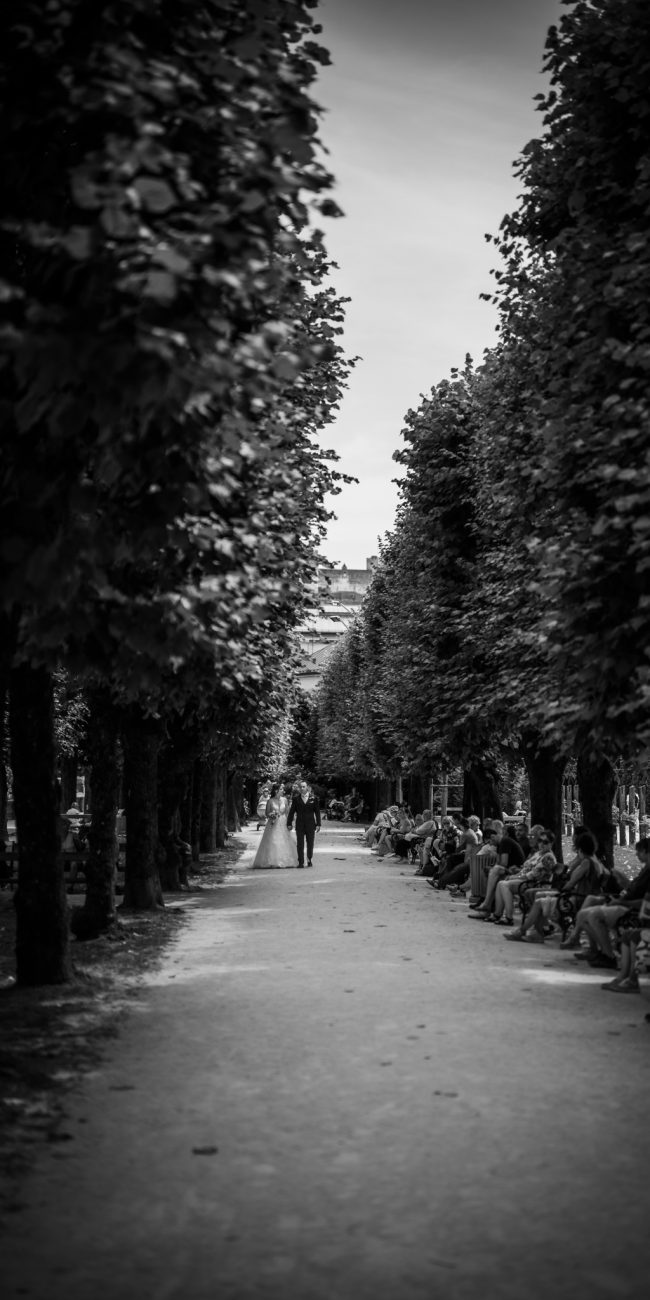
{"x":306,"y":814}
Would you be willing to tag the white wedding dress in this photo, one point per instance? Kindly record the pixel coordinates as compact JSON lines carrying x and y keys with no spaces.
{"x":277,"y":847}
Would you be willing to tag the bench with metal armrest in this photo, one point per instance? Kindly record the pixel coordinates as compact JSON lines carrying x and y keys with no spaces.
{"x":529,"y":892}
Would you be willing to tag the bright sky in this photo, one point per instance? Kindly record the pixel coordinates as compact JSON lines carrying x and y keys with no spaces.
{"x":428,"y":103}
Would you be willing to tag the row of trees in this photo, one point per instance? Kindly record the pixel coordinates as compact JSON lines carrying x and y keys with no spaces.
{"x":168,"y":356}
{"x":510,"y":613}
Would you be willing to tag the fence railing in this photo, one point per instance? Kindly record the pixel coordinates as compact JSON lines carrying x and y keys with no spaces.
{"x":629,"y":812}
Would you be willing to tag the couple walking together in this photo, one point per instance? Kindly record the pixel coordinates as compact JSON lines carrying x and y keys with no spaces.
{"x":276,"y":847}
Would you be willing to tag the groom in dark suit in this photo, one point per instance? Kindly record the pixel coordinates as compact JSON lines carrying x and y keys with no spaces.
{"x":306,"y":810}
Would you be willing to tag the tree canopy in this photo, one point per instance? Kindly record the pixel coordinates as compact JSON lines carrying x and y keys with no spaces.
{"x":169,"y":357}
{"x":169,"y":343}
{"x":514,"y":585}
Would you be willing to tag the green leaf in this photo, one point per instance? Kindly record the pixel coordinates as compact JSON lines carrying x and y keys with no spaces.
{"x":154,"y":195}
{"x":160,"y":285}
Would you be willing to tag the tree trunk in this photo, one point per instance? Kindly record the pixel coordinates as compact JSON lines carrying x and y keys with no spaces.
{"x":234,"y":801}
{"x":418,"y":792}
{"x":597,"y":785}
{"x":7,"y":639}
{"x":545,"y":768}
{"x":4,"y":793}
{"x":208,"y":825}
{"x":42,"y":930}
{"x":141,"y":739}
{"x":173,"y":782}
{"x":221,"y":833}
{"x":187,"y":806}
{"x":68,"y":781}
{"x":481,"y":796}
{"x":194,"y":838}
{"x":98,"y":913}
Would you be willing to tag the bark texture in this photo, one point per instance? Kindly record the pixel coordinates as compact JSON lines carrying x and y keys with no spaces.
{"x":98,"y":913}
{"x":42,"y":930}
{"x":141,"y":738}
{"x":173,"y":781}
{"x":7,"y":637}
{"x":221,"y":832}
{"x":208,"y":816}
{"x":481,"y":797}
{"x":234,"y":801}
{"x":194,"y":816}
{"x":545,"y":769}
{"x":597,"y":785}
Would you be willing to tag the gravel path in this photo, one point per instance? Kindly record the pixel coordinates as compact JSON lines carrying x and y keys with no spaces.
{"x":338,"y":1088}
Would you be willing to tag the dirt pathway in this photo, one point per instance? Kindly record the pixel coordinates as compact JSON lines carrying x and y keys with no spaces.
{"x":337,"y":1088}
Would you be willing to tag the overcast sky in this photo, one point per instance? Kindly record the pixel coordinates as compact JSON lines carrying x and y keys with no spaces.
{"x":428,"y":103}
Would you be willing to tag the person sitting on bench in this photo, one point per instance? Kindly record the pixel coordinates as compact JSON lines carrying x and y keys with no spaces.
{"x":538,"y":870}
{"x":510,"y":859}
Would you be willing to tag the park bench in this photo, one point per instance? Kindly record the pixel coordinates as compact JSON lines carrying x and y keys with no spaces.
{"x":74,"y":864}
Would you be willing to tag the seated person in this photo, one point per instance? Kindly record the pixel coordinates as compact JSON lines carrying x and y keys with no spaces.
{"x":522,"y":836}
{"x":444,"y":846}
{"x":483,"y":863}
{"x":593,"y":883}
{"x":424,"y":823}
{"x":510,"y":859}
{"x":597,"y":921}
{"x":594,"y":889}
{"x":405,"y":824}
{"x":421,"y":837}
{"x":373,"y":832}
{"x":454,"y":873}
{"x":577,"y":875}
{"x":383,"y":844}
{"x":538,"y":870}
{"x":627,"y":980}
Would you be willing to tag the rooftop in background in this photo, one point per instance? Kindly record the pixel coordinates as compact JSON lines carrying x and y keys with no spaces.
{"x":347,"y":586}
{"x":341,"y":592}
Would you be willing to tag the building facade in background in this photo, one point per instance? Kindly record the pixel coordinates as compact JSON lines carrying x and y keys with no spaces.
{"x":341,"y":592}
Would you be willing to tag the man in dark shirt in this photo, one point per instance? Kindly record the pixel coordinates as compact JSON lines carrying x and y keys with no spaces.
{"x":509,"y":851}
{"x":510,"y":858}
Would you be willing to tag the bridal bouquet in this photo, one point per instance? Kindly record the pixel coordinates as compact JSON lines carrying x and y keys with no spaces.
{"x":273,"y":816}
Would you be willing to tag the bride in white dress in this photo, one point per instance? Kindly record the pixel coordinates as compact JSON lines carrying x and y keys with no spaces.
{"x":277,"y":847}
